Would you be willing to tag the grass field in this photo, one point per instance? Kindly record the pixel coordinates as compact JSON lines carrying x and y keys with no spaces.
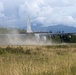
{"x":38,"y":60}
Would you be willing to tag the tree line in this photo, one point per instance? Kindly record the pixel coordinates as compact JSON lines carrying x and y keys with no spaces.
{"x":64,"y":38}
{"x":12,"y":31}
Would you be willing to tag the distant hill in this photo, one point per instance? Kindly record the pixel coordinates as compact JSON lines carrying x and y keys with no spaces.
{"x":55,"y":28}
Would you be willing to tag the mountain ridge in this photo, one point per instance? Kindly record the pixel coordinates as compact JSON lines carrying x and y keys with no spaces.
{"x":55,"y":28}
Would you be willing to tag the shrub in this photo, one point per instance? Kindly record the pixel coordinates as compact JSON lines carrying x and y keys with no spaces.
{"x":14,"y":50}
{"x":73,"y":70}
{"x":2,"y":51}
{"x":28,"y":52}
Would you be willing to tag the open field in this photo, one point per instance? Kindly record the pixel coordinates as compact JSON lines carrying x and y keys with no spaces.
{"x":38,"y":60}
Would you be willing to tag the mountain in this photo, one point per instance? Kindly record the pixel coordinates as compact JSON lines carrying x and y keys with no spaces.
{"x":54,"y":28}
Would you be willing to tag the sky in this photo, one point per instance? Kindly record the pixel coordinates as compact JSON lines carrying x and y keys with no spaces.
{"x":14,"y":13}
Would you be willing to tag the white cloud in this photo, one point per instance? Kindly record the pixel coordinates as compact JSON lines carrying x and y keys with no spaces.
{"x":2,"y":15}
{"x":50,"y":12}
{"x":47,"y":12}
{"x":1,"y":7}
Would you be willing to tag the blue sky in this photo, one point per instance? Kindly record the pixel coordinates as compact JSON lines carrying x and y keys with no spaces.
{"x":14,"y":13}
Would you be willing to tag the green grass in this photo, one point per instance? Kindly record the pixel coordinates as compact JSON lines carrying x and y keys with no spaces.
{"x":38,"y":60}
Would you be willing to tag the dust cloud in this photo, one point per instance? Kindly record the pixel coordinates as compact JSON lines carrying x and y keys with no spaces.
{"x":23,"y":39}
